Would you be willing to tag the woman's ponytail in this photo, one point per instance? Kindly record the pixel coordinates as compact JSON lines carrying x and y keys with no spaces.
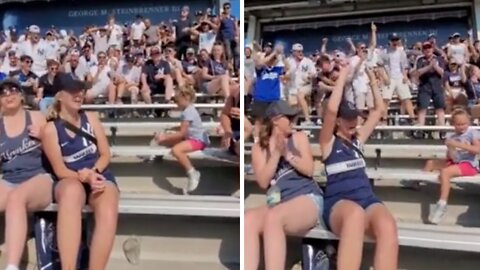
{"x":54,"y":109}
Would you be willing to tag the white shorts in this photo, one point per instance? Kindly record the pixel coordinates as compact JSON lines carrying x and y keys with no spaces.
{"x":397,"y":85}
{"x":305,"y":89}
{"x":364,"y":100}
{"x":99,"y":89}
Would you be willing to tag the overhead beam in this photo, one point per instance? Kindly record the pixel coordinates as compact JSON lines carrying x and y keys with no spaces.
{"x":365,"y":12}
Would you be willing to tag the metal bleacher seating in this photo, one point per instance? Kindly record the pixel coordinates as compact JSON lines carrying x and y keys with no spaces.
{"x":174,"y":231}
{"x":392,"y":165}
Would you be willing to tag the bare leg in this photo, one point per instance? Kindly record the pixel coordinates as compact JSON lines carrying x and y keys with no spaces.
{"x":383,"y":229}
{"x":70,"y":196}
{"x":34,"y":194}
{"x":180,"y":151}
{"x":347,"y":220}
{"x":254,"y":221}
{"x":285,"y":219}
{"x":105,"y":208}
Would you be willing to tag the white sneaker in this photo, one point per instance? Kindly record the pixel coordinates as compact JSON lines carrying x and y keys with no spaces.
{"x":193,"y":181}
{"x":438,"y":213}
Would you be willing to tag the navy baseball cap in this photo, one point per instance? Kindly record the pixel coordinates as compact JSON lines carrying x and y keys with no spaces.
{"x":280,"y":108}
{"x":347,"y":110}
{"x":65,"y":82}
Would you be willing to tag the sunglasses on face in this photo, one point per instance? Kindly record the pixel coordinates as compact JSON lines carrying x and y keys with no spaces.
{"x":9,"y":90}
{"x":28,"y":61}
{"x":54,"y":69}
{"x":102,"y":56}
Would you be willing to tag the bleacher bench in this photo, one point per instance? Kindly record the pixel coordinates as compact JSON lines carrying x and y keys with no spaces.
{"x":178,"y":205}
{"x":396,"y":151}
{"x":208,"y":153}
{"x":425,"y":236}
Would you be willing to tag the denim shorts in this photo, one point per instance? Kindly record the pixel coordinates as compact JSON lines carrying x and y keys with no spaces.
{"x":318,"y":200}
{"x":14,"y":185}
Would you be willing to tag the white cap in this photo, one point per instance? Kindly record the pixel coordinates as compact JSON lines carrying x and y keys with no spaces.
{"x":34,"y":29}
{"x":63,"y":33}
{"x":297,"y":47}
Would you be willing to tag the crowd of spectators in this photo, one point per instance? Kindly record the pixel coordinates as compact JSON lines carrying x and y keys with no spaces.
{"x":137,"y":60}
{"x":423,"y":76}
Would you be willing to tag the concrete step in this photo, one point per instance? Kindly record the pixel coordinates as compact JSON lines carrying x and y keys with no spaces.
{"x":169,"y":241}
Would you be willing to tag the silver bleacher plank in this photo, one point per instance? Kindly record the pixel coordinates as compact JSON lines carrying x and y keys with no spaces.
{"x":208,"y":153}
{"x":425,"y":236}
{"x":179,"y":205}
{"x":415,"y":174}
{"x":396,"y":151}
{"x":148,"y":106}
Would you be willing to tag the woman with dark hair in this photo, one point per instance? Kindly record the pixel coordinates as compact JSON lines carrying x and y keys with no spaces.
{"x":25,"y":186}
{"x":351,"y":207}
{"x":215,"y":74}
{"x":78,"y":150}
{"x":283,"y":163}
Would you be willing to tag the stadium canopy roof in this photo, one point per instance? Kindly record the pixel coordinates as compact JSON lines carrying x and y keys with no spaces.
{"x":283,"y":10}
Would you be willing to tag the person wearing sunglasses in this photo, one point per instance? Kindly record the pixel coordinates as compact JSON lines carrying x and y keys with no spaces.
{"x":455,"y":79}
{"x":25,"y":186}
{"x":228,"y":32}
{"x":27,"y":79}
{"x":46,"y":90}
{"x":77,"y":148}
{"x":176,"y":68}
{"x":156,"y":78}
{"x":102,"y":81}
{"x":429,"y":69}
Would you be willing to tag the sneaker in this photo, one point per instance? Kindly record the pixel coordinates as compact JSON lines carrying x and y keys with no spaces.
{"x":193,"y":181}
{"x":438,"y":213}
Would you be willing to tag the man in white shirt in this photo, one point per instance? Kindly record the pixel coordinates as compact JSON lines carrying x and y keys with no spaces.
{"x":115,"y":33}
{"x":396,"y":65}
{"x":130,"y":80}
{"x":37,"y":49}
{"x":11,"y":63}
{"x":302,"y":71}
{"x":101,"y":74}
{"x":360,"y":83}
{"x":137,"y":29}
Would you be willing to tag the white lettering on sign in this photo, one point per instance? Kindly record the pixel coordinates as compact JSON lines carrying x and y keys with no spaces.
{"x":123,"y":11}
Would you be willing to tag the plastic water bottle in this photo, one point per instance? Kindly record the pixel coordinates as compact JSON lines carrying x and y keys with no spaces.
{"x":273,"y":194}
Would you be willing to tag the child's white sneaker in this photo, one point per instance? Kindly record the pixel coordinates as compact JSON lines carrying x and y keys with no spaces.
{"x":193,"y":181}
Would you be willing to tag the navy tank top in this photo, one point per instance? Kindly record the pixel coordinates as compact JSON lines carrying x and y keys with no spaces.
{"x":78,"y":152}
{"x":216,"y":68}
{"x":345,"y":170}
{"x":21,"y":155}
{"x":290,"y":181}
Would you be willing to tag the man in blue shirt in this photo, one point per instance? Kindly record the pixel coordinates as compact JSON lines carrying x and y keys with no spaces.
{"x":269,"y":71}
{"x":228,"y":32}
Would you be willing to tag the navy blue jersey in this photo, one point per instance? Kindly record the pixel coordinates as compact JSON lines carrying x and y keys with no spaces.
{"x":79,"y":152}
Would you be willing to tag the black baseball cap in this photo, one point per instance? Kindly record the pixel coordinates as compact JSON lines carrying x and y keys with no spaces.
{"x":10,"y":84}
{"x":393,"y":36}
{"x":280,"y":108}
{"x":347,"y":110}
{"x":129,"y":57}
{"x":65,"y":82}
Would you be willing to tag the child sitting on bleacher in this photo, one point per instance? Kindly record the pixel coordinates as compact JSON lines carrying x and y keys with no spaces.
{"x":191,"y":136}
{"x":463,"y":146}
